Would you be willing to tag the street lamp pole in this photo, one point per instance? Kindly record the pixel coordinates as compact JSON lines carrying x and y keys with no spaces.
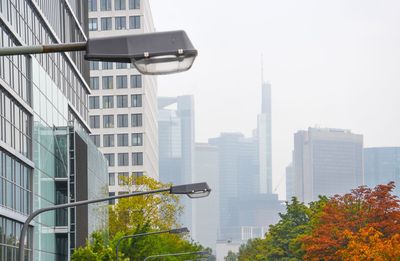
{"x":191,"y":190}
{"x":172,"y":231}
{"x":178,"y":254}
{"x":49,"y":48}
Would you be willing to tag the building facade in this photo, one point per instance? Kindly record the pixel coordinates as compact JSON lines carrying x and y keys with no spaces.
{"x":206,"y":211}
{"x":176,"y":145}
{"x":382,"y":165}
{"x":43,"y":115}
{"x":326,"y":162}
{"x":264,"y":134}
{"x":290,"y":182}
{"x":123,"y":104}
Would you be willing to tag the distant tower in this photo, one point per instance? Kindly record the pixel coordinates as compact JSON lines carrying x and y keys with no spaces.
{"x":265,"y":137}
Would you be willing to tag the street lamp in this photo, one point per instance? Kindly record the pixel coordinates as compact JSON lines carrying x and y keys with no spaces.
{"x":151,"y":53}
{"x":178,"y":254}
{"x":189,"y":189}
{"x":171,"y":231}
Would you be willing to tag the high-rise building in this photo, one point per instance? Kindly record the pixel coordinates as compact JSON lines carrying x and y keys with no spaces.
{"x":176,"y":145}
{"x":123,"y":104}
{"x":290,"y":182}
{"x":264,"y":133}
{"x":46,"y":155}
{"x":238,"y":177}
{"x":206,"y":211}
{"x":326,"y":162}
{"x":382,"y":165}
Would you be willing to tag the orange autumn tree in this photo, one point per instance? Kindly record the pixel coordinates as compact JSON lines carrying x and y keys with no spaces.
{"x":363,"y":218}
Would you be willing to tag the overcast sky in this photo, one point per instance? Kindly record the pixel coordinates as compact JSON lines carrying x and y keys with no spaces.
{"x":331,"y":64}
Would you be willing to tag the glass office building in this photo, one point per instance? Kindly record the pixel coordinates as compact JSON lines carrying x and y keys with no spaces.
{"x":46,"y":156}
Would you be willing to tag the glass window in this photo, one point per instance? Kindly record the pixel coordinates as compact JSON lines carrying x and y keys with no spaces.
{"x":122,"y":81}
{"x":92,"y":5}
{"x":134,"y":22}
{"x":112,"y":201}
{"x":137,"y":139}
{"x":94,"y":65}
{"x":95,"y":139}
{"x":120,"y":22}
{"x":121,"y":65}
{"x":108,"y":102}
{"x":122,"y":120}
{"x":111,"y":179}
{"x":136,"y":100}
{"x":105,"y":5}
{"x":93,"y":24}
{"x":119,"y":5}
{"x":106,"y":23}
{"x":94,"y":121}
{"x":123,"y":178}
{"x":137,"y":174}
{"x":106,"y":65}
{"x":137,"y":158}
{"x":107,"y":82}
{"x":110,"y":157}
{"x":108,"y":140}
{"x":108,"y":121}
{"x":136,"y":81}
{"x":122,"y":101}
{"x":94,"y":83}
{"x":94,"y":102}
{"x":136,"y":120}
{"x":134,"y":4}
{"x":123,"y":159}
{"x":123,"y":139}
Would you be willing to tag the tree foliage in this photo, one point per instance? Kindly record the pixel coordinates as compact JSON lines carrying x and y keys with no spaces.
{"x":361,"y":225}
{"x":360,"y":217}
{"x":136,"y":215}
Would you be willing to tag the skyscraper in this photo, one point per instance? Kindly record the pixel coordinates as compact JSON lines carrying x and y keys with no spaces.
{"x":264,"y":133}
{"x":290,"y":182}
{"x":176,"y":141}
{"x":123,"y":104}
{"x":206,"y":211}
{"x":326,"y":162}
{"x":382,"y":165}
{"x":44,"y":131}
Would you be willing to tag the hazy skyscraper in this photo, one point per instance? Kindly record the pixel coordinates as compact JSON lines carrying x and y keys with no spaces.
{"x":382,"y":165}
{"x":206,"y":211}
{"x":176,"y":144}
{"x":123,"y":104}
{"x":290,"y":182}
{"x":326,"y":162}
{"x":264,"y":133}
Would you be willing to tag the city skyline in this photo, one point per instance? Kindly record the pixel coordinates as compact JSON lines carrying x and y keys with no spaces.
{"x":331,"y":64}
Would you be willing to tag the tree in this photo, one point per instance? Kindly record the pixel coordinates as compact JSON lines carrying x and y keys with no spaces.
{"x":231,"y":256}
{"x":253,"y":250}
{"x":363,"y":217}
{"x":137,"y":215}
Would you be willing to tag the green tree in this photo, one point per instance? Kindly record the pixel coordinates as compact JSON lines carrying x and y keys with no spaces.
{"x":231,"y":256}
{"x":137,"y":215}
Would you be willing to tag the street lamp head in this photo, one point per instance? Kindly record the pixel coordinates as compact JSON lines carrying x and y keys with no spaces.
{"x":195,"y":190}
{"x":151,"y":53}
{"x":179,"y":230}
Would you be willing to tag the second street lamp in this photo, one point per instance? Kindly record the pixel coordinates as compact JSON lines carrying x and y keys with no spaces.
{"x":151,"y":53}
{"x":189,"y":189}
{"x":171,"y":231}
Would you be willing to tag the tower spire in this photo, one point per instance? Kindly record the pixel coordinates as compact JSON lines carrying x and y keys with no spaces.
{"x":262,"y":68}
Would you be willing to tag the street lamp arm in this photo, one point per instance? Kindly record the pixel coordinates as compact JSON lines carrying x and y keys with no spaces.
{"x":75,"y":204}
{"x":178,"y":254}
{"x":49,"y":48}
